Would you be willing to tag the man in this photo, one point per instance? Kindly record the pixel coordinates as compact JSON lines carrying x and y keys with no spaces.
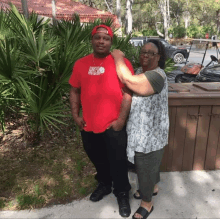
{"x":105,"y":105}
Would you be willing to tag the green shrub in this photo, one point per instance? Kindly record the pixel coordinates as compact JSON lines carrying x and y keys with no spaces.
{"x":137,"y":34}
{"x":196,"y":31}
{"x":149,"y":32}
{"x":192,"y":31}
{"x":27,"y":201}
{"x":36,"y":61}
{"x":169,"y":66}
{"x":177,"y":31}
{"x":2,"y":203}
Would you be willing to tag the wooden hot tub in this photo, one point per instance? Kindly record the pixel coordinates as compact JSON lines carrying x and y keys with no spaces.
{"x":194,"y":136}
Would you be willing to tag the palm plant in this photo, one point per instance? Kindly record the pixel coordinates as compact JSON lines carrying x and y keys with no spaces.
{"x":36,"y":61}
{"x":10,"y":75}
{"x":37,"y":69}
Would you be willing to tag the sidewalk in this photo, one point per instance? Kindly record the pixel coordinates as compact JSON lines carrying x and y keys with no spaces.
{"x":192,"y":194}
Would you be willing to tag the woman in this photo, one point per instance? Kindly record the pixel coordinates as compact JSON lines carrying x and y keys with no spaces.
{"x":148,"y":122}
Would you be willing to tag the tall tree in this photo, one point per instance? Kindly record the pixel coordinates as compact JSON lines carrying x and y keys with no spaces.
{"x":109,"y":4}
{"x":176,"y":10}
{"x":25,"y":8}
{"x":94,"y":3}
{"x":118,"y":10}
{"x":129,"y":16}
{"x":54,"y":11}
{"x":186,"y":18}
{"x":216,"y":5}
{"x":218,"y":20}
{"x":168,"y":13}
{"x":118,"y":13}
{"x":163,"y":8}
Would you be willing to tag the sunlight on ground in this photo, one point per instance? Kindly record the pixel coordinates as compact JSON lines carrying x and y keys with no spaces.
{"x":179,"y":187}
{"x":201,"y":177}
{"x":47,"y":180}
{"x":105,"y":209}
{"x":213,"y":201}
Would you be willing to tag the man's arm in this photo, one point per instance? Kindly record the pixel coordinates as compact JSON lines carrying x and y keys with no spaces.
{"x":118,"y":124}
{"x":75,"y":107}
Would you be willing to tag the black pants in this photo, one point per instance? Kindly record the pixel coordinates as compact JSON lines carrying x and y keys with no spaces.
{"x":107,"y":151}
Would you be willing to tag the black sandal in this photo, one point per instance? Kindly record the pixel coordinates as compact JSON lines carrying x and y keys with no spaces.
{"x":143,"y":212}
{"x":139,"y":196}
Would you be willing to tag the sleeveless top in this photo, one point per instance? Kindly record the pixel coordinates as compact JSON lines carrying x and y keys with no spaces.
{"x":148,"y":122}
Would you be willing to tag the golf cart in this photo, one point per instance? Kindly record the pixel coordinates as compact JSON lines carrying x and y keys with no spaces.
{"x":195,"y":72}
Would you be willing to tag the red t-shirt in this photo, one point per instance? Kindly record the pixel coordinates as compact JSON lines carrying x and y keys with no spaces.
{"x":101,"y":93}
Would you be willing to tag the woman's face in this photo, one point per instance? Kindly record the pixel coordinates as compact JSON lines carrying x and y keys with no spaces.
{"x":149,"y":56}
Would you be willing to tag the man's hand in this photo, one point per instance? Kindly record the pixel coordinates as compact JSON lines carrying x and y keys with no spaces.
{"x":116,"y":53}
{"x":117,"y":125}
{"x":80,"y":122}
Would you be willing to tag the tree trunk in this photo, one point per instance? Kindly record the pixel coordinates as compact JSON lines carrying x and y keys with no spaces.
{"x":90,"y":3}
{"x":178,"y":16}
{"x":118,"y":13}
{"x":218,"y":21}
{"x":129,"y":16}
{"x":158,"y":31}
{"x":186,"y":18}
{"x":168,"y":13}
{"x":25,"y":8}
{"x":54,"y":11}
{"x":163,"y":8}
{"x":110,"y":5}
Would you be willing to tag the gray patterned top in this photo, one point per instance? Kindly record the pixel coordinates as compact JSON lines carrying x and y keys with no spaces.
{"x":148,"y":122}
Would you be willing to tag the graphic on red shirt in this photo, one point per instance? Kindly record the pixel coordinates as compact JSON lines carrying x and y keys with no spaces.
{"x":96,"y":70}
{"x":101,"y":93}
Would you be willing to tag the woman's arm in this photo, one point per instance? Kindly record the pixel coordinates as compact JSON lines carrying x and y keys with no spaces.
{"x":139,"y":84}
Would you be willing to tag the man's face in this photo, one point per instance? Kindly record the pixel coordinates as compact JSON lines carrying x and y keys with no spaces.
{"x":149,"y":56}
{"x":101,"y":42}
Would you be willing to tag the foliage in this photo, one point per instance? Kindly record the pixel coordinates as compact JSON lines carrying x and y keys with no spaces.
{"x":212,"y":30}
{"x":133,"y":55}
{"x":149,"y":32}
{"x":192,"y":31}
{"x":36,"y":61}
{"x":146,"y":14}
{"x":137,"y":33}
{"x":29,"y":201}
{"x":177,"y":31}
{"x":2,"y":203}
{"x":195,"y":31}
{"x":169,"y":66}
{"x":55,"y":171}
{"x":29,"y":66}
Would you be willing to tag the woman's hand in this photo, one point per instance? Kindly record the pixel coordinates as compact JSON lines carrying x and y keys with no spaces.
{"x":116,"y":53}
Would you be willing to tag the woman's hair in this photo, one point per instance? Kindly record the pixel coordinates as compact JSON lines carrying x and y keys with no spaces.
{"x":161,"y":51}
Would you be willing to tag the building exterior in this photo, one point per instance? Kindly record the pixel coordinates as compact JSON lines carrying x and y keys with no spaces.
{"x":64,"y":10}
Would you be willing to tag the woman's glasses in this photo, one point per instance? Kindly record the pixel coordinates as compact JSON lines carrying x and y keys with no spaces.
{"x":148,"y":53}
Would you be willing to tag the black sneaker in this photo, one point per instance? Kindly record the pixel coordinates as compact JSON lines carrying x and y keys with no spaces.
{"x":123,"y":203}
{"x":100,"y":192}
